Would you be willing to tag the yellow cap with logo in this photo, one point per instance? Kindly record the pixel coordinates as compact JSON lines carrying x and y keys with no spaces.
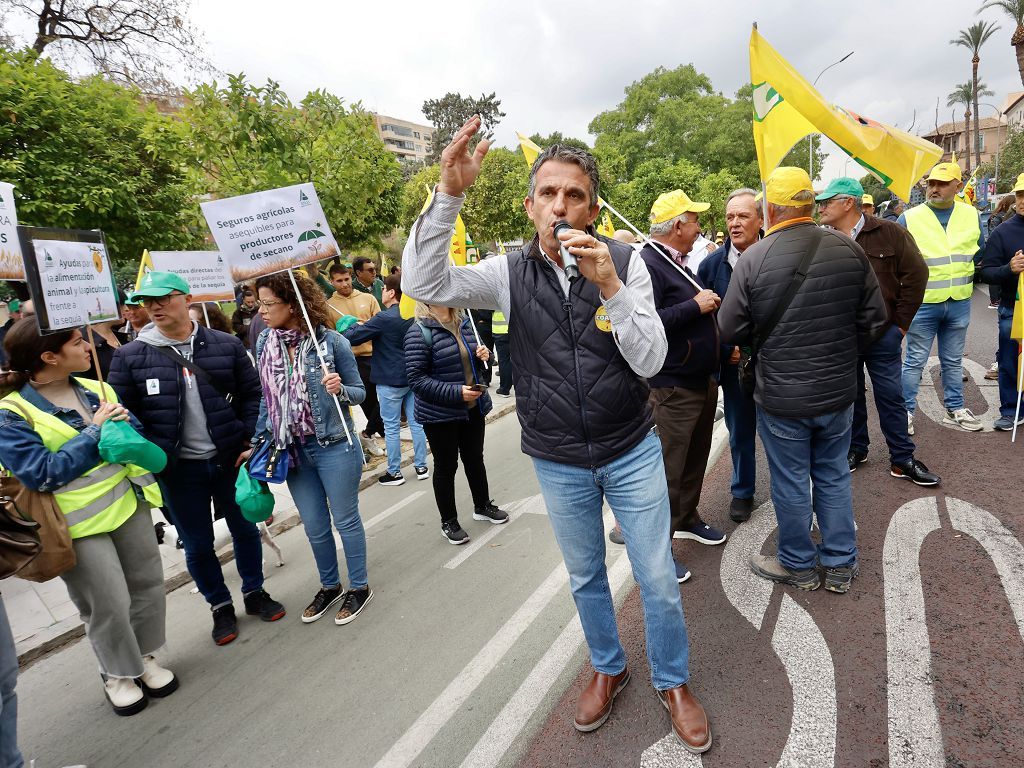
{"x":785,"y":182}
{"x":1019,"y":186}
{"x":674,"y":203}
{"x":867,"y":199}
{"x":946,"y":172}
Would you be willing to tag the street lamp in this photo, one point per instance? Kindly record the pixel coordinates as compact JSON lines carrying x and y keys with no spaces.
{"x":810,"y":139}
{"x":999,"y":124}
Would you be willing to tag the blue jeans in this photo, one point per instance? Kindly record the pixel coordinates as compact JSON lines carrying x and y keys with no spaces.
{"x":882,"y":361}
{"x":189,"y":486}
{"x":947,"y":321}
{"x":634,"y":485}
{"x":391,"y":401}
{"x":741,"y":421}
{"x":331,"y":474}
{"x":801,"y":451}
{"x":10,"y":757}
{"x":1007,"y":359}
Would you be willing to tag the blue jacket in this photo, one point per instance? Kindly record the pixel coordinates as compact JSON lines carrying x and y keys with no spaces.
{"x":338,"y":354}
{"x":223,"y":357}
{"x":387,"y":331}
{"x":1005,"y":240}
{"x":436,"y":375}
{"x":715,"y":273}
{"x":37,"y":467}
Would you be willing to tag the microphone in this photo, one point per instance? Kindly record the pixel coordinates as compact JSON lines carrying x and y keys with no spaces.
{"x":569,"y":265}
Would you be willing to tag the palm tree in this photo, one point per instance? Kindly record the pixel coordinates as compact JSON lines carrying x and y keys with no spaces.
{"x":973,"y":38}
{"x":1015,"y":10}
{"x":964,"y":94}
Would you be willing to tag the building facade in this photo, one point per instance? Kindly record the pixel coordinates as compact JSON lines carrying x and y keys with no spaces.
{"x":409,"y":141}
{"x":953,"y":139}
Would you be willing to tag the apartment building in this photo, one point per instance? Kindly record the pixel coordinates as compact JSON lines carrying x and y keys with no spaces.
{"x":410,"y":141}
{"x":953,"y":139}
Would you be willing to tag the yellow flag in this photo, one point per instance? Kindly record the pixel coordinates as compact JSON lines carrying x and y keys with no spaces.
{"x":605,"y":226}
{"x":530,"y":150}
{"x":1017,"y":323}
{"x":787,"y":108}
{"x":145,"y":266}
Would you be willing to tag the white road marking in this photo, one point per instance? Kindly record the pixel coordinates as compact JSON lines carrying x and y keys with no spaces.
{"x":929,"y":399}
{"x":915,"y":739}
{"x":667,"y":752}
{"x":748,"y":593}
{"x":477,"y":542}
{"x":382,"y":516}
{"x":509,"y":723}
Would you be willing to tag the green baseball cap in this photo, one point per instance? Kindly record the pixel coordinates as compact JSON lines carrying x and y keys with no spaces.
{"x":13,"y":305}
{"x":156,"y":284}
{"x":844,"y":185}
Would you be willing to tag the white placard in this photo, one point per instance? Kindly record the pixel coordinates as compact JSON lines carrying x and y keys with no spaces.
{"x":76,"y":284}
{"x":268,"y":232}
{"x":205,"y":272}
{"x":11,"y":266}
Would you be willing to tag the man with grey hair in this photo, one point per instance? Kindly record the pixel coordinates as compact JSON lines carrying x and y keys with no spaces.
{"x":744,"y":222}
{"x":807,"y":302}
{"x":583,"y":347}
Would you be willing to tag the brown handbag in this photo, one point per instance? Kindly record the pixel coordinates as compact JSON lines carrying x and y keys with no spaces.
{"x":57,"y":554}
{"x":19,"y":538}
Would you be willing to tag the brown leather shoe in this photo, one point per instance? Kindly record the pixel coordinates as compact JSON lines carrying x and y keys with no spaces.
{"x":689,"y":722}
{"x":595,"y":704}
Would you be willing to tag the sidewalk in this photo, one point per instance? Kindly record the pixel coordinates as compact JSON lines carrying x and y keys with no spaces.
{"x":43,"y":618}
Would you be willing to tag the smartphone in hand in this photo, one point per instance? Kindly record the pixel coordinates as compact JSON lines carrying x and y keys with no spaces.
{"x":479,"y":387}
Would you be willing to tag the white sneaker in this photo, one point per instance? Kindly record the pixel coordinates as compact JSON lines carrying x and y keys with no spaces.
{"x":125,"y":696}
{"x":155,"y":680}
{"x":370,"y":445}
{"x":964,"y":419}
{"x":910,"y":423}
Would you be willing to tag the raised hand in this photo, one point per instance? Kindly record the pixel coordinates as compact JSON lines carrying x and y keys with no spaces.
{"x":459,"y":168}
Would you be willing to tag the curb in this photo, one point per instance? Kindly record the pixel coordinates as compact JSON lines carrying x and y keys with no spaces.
{"x":68,"y":631}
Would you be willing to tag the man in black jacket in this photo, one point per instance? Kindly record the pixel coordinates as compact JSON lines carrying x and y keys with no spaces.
{"x":198,"y":396}
{"x":806,"y":377}
{"x":684,"y":393}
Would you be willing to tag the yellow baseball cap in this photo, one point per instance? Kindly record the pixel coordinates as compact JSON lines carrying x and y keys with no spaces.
{"x":786,"y":181}
{"x":946,"y":172}
{"x":1019,"y":186}
{"x":674,"y":203}
{"x":867,"y":199}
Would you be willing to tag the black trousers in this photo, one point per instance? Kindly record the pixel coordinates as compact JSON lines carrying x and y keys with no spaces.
{"x":448,"y":440}
{"x":505,"y":369}
{"x":370,"y":406}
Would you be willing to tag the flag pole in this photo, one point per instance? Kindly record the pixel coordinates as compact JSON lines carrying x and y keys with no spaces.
{"x":1020,"y":387}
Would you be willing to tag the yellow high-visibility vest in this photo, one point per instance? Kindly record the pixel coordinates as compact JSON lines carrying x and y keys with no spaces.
{"x":103,"y":498}
{"x":499,"y":324}
{"x":949,"y":253}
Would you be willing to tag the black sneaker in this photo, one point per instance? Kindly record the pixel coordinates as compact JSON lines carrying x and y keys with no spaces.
{"x":490,"y":514}
{"x":452,"y":531}
{"x":838,"y":579}
{"x":422,"y":473}
{"x":225,"y":625}
{"x":355,"y":601}
{"x":916,"y":472}
{"x":259,"y":603}
{"x":388,"y":479}
{"x":740,"y":509}
{"x":324,"y":599}
{"x":853,"y":458}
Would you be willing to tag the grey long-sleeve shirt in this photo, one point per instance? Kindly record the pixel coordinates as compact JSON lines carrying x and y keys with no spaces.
{"x":427,"y":276}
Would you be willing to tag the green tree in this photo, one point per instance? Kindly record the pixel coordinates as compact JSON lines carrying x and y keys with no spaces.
{"x":244,"y":138}
{"x":1011,"y":163}
{"x":88,"y":155}
{"x":972,"y":39}
{"x":1014,"y":9}
{"x":557,"y":138}
{"x":494,"y":210}
{"x":448,"y":114}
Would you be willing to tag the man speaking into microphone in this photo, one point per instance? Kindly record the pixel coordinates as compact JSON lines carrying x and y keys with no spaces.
{"x":583,"y":349}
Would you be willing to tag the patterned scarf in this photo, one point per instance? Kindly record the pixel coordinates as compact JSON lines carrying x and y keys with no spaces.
{"x":284,"y":386}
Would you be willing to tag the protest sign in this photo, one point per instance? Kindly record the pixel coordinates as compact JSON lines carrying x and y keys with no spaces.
{"x":11,"y":267}
{"x":205,"y":272}
{"x":69,"y":277}
{"x":267,"y":232}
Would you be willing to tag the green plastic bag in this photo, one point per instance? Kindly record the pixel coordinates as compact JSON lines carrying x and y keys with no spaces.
{"x":253,"y":497}
{"x":345,"y":322}
{"x":121,"y":444}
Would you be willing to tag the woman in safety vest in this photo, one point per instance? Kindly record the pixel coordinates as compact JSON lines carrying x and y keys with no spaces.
{"x":49,"y":440}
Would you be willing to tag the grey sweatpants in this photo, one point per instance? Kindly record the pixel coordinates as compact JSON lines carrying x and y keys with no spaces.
{"x":118,"y":588}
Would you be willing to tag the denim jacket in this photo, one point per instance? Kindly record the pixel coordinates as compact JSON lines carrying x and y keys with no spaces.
{"x":338,"y":354}
{"x":36,"y":466}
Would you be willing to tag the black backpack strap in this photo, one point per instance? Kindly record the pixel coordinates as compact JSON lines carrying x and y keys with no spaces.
{"x":762,"y":333}
{"x":199,"y":373}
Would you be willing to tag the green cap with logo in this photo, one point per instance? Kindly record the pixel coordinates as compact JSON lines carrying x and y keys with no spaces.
{"x":844,"y":185}
{"x":13,"y":305}
{"x":156,"y":284}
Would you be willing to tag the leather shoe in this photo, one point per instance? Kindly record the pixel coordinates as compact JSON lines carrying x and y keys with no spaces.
{"x":689,"y":721}
{"x":595,"y":704}
{"x":740,"y":509}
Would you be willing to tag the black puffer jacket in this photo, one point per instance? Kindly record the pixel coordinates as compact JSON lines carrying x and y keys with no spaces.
{"x":223,"y":357}
{"x":808,"y":366}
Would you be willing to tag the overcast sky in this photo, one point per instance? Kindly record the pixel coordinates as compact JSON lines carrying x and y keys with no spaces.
{"x":555,"y":65}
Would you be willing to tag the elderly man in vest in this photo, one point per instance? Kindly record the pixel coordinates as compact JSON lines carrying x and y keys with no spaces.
{"x":684,"y":393}
{"x":948,"y":234}
{"x":582,"y":346}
